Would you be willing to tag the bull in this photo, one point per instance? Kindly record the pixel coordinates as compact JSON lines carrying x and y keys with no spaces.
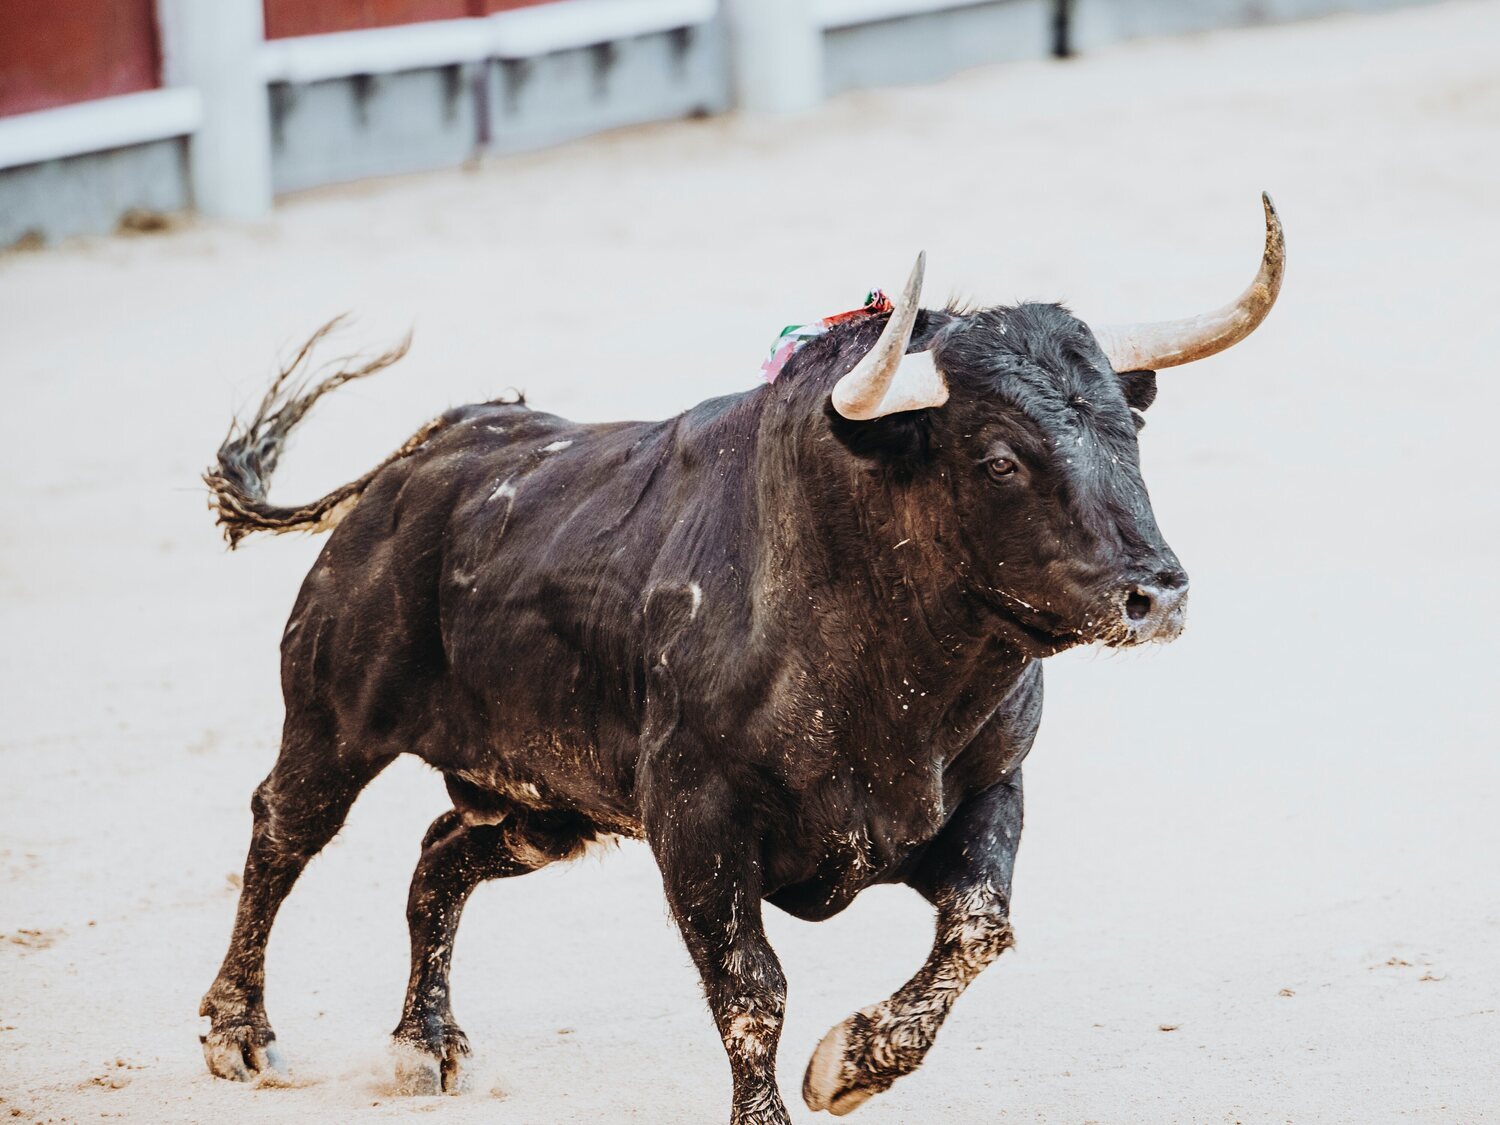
{"x":791,"y":638}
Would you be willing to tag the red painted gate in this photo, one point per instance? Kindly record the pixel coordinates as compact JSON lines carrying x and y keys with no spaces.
{"x":56,"y":52}
{"x":285,"y":18}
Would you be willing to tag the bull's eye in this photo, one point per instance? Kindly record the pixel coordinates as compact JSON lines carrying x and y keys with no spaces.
{"x":1001,"y":467}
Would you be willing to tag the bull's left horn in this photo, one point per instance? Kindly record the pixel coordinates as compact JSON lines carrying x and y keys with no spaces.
{"x":887,"y":380}
{"x":1168,"y":343}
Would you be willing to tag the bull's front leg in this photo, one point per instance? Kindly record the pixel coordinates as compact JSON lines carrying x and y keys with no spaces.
{"x":710,"y":863}
{"x":966,"y":874}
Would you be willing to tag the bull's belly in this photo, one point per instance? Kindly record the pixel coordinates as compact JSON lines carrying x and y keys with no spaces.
{"x":837,"y":882}
{"x":814,"y":882}
{"x":816,"y":901}
{"x":545,"y":772}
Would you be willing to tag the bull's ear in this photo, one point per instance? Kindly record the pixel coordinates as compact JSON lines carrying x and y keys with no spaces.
{"x":1139,"y":388}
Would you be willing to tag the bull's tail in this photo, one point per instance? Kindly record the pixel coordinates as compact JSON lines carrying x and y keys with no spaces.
{"x":241,"y":474}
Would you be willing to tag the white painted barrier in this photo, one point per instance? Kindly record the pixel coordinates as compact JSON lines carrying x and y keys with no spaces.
{"x":776,"y":53}
{"x":105,"y":123}
{"x":211,"y":46}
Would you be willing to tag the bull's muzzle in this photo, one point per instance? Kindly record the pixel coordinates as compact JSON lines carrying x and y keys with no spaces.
{"x":1155,"y":610}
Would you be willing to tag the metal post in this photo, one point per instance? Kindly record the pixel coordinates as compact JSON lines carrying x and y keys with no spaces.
{"x":214,"y":46}
{"x":777,"y":52}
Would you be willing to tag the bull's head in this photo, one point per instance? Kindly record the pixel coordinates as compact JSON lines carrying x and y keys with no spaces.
{"x":1034,"y":416}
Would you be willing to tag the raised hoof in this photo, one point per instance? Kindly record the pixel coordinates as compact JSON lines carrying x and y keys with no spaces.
{"x":833,"y":1081}
{"x":242,"y":1052}
{"x":429,"y":1066}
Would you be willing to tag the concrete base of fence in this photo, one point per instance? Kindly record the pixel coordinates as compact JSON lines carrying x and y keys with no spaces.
{"x":930,"y":46}
{"x":437,"y":117}
{"x":556,"y":97}
{"x":1098,"y":23}
{"x":88,"y":194}
{"x":372,"y":125}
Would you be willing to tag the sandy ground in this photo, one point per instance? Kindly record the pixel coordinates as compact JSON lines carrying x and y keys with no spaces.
{"x":1277,"y":837}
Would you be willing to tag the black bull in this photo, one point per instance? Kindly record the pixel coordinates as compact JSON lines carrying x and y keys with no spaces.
{"x":796,"y":654}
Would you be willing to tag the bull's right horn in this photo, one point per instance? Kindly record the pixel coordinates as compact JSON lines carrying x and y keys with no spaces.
{"x":1168,"y":343}
{"x":887,"y":380}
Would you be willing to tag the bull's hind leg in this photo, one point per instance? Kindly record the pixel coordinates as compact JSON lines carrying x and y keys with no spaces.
{"x":298,"y":808}
{"x":966,"y":874}
{"x":458,"y":855}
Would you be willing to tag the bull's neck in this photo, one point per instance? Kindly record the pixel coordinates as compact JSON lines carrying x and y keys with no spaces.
{"x":861,"y":561}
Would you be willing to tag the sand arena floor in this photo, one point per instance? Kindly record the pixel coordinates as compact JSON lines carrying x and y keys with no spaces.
{"x":1278,"y":837}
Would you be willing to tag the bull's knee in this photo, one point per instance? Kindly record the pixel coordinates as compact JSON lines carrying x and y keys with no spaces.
{"x":751,"y":1027}
{"x":751,"y":1032}
{"x":973,"y":930}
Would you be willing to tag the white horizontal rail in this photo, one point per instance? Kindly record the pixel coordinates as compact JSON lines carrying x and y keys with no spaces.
{"x":850,"y":13}
{"x":381,"y":50}
{"x":569,"y":24}
{"x":526,"y":32}
{"x":98,"y":125}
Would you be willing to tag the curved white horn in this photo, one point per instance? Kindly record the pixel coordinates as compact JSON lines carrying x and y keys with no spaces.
{"x":887,"y":380}
{"x":1168,"y":343}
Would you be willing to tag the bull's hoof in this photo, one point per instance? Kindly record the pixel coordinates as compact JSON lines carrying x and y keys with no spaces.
{"x":242,"y":1052}
{"x":835,"y":1080}
{"x":427,"y":1065}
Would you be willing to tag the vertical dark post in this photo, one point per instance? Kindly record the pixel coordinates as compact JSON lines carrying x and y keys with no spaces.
{"x":1062,"y":21}
{"x":484,"y":128}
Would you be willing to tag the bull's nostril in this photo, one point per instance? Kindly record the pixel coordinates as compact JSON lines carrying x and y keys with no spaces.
{"x":1138,"y":606}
